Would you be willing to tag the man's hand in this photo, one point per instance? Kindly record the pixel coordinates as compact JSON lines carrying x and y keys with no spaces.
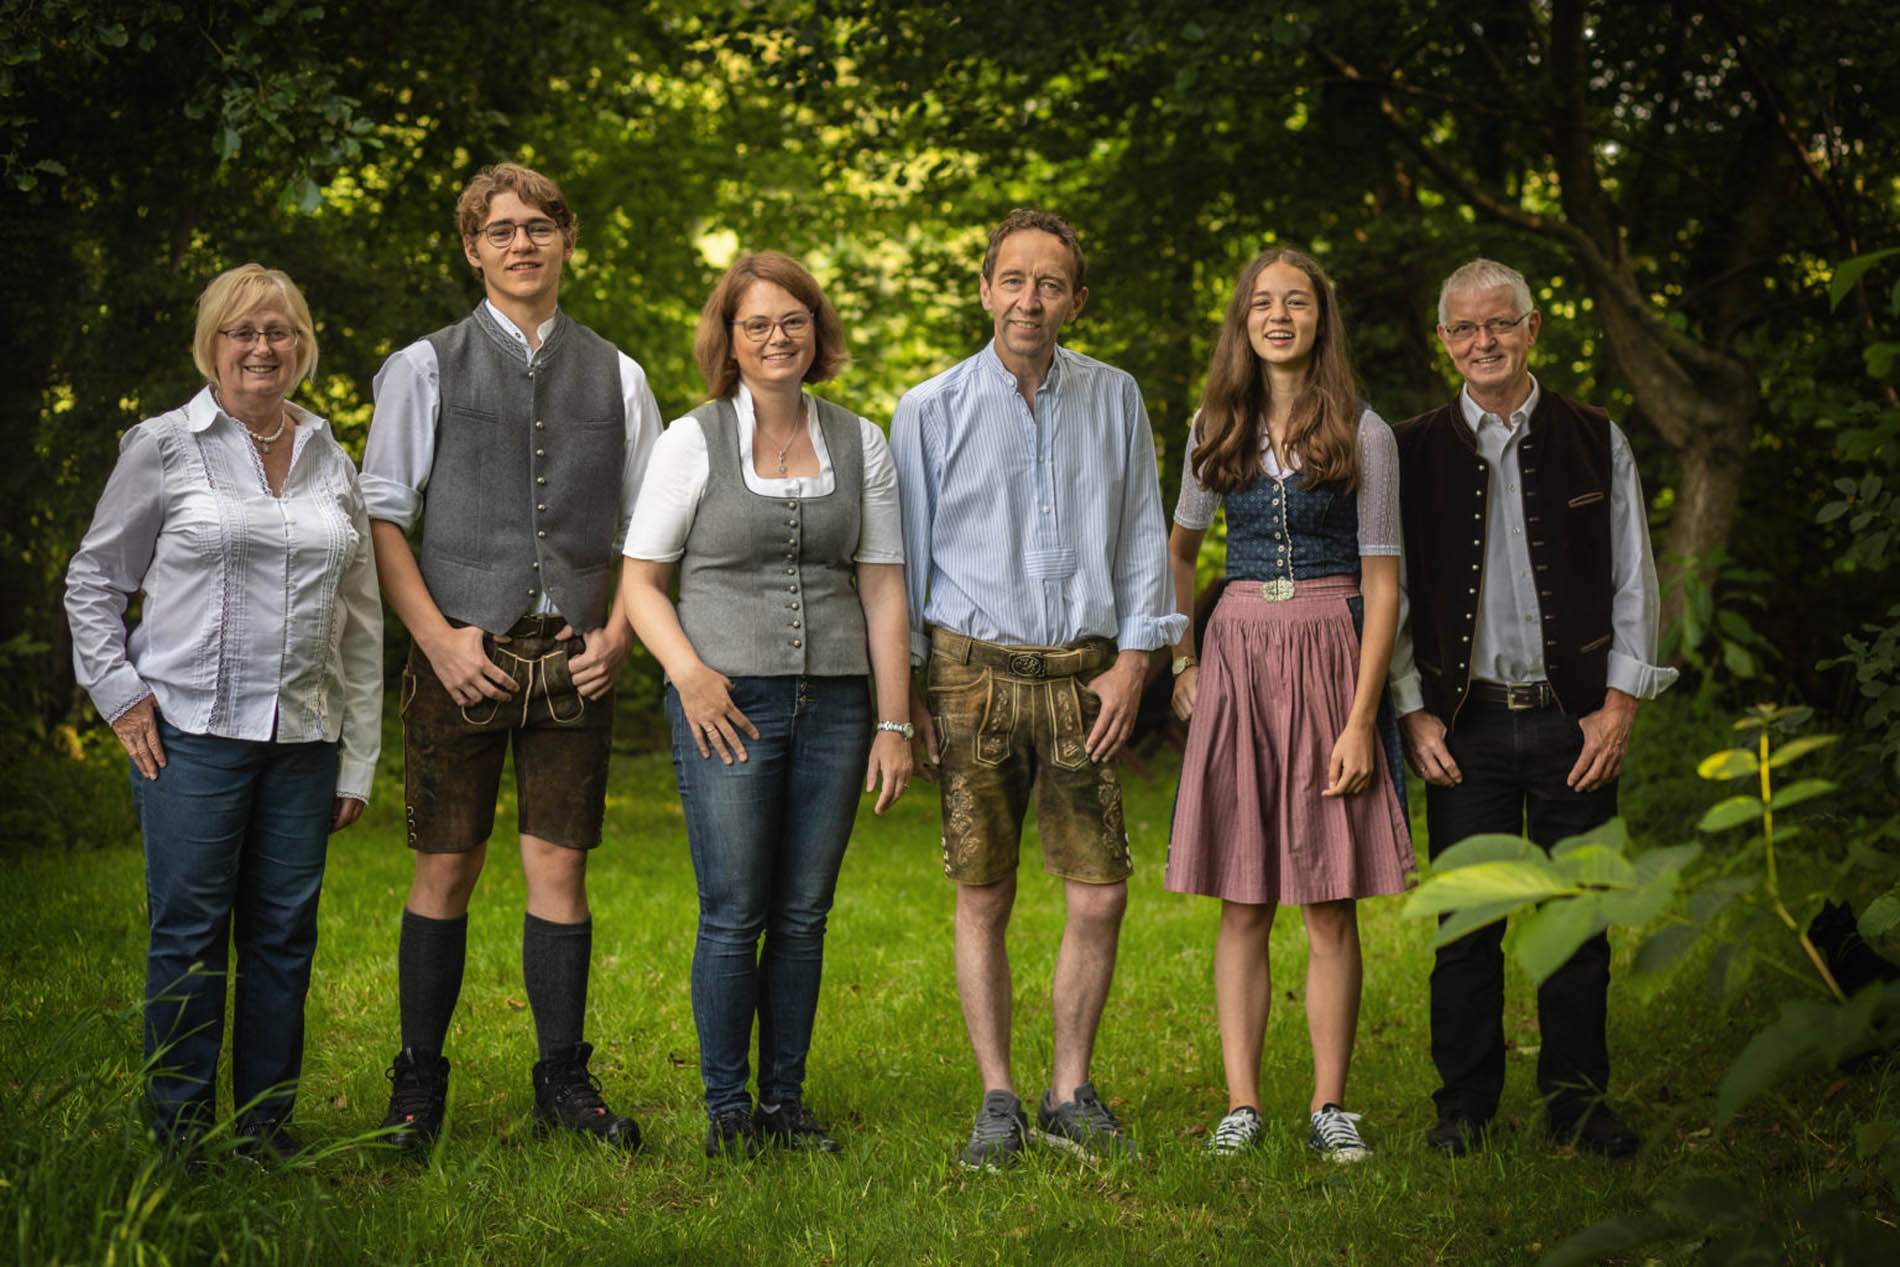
{"x":596,"y":669}
{"x":465,"y":670}
{"x":1606,"y":738}
{"x":925,"y":752}
{"x":1424,"y":737}
{"x":1119,"y":689}
{"x":137,"y":729}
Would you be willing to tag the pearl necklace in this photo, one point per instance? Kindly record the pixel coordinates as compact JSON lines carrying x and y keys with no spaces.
{"x":265,"y":442}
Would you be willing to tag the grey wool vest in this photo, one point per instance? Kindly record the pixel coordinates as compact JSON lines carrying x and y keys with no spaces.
{"x":767,"y":585}
{"x":524,"y":494}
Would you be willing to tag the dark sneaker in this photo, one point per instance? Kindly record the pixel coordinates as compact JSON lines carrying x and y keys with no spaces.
{"x":566,"y":1095}
{"x":1236,"y":1133}
{"x":732,"y":1133}
{"x":792,"y":1125}
{"x":1455,"y":1135}
{"x":269,"y":1147}
{"x":1083,"y":1126}
{"x":418,"y":1093}
{"x":1001,"y":1130}
{"x":1334,"y":1135}
{"x":1597,"y":1130}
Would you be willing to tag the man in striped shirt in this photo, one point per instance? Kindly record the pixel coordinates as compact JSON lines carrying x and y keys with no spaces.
{"x":1036,"y":557}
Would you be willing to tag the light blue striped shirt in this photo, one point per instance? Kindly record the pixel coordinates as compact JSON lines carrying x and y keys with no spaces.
{"x":1033,"y":529}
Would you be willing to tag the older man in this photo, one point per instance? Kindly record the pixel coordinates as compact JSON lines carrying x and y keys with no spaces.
{"x":1036,"y":554}
{"x":1530,"y":641}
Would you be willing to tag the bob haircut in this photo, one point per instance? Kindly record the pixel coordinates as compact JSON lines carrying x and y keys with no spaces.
{"x":712,"y":342}
{"x":1484,"y":274}
{"x":524,"y":183}
{"x":1047,"y":221}
{"x":1323,"y":428}
{"x":238,"y":292}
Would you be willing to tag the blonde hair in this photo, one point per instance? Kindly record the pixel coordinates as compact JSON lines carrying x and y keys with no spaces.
{"x":236,"y":293}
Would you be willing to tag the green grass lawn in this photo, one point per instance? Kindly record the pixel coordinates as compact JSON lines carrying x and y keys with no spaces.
{"x":890,"y":1072}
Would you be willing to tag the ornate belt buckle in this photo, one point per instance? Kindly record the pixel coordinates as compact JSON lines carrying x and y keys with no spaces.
{"x":1025,"y":664}
{"x":1278,"y":590}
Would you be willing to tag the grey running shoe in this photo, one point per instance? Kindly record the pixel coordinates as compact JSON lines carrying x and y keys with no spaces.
{"x":1237,"y":1132}
{"x":1001,"y":1130}
{"x":1335,"y":1137}
{"x":1083,"y":1126}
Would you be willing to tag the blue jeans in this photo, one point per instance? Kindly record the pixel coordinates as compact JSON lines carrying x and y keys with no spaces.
{"x":767,"y":836}
{"x":235,"y":837}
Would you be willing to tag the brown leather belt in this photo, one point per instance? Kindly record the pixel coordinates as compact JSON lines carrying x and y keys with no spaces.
{"x":1517,"y":696}
{"x":1029,"y":662}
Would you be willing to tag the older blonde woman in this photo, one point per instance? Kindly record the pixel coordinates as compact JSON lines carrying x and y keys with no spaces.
{"x":248,"y":696}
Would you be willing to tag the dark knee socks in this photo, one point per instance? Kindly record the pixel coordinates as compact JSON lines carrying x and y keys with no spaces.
{"x":554,"y":959}
{"x":429,"y":961}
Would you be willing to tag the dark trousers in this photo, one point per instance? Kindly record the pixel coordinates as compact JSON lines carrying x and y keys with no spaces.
{"x":1514,"y":765}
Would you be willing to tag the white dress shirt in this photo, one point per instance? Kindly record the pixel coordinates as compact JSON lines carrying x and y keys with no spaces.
{"x":677,"y":476}
{"x":261,"y":618}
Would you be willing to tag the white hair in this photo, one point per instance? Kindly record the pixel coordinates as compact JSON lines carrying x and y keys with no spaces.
{"x":1483,"y":274}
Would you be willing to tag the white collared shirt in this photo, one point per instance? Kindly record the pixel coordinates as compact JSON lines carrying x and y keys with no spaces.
{"x":261,"y":618}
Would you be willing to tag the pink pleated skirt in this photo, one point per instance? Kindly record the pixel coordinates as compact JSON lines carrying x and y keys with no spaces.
{"x":1250,"y":824}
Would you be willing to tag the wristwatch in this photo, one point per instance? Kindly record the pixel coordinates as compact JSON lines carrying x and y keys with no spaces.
{"x":1183,"y":663}
{"x":903,"y":728}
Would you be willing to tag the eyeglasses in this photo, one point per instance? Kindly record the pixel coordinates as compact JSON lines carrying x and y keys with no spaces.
{"x":276,"y":336}
{"x":1496,"y":327}
{"x":501,"y":234}
{"x":759,"y":329}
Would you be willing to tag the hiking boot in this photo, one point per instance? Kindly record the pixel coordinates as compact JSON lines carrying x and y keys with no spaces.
{"x":1236,"y":1133}
{"x":1001,"y":1130}
{"x":1083,"y":1126}
{"x":732,"y":1133}
{"x":792,"y":1125}
{"x":1334,"y":1136}
{"x":418,"y":1093}
{"x":568,"y":1096}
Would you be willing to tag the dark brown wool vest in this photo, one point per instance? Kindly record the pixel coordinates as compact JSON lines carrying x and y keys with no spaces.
{"x":1444,"y":492}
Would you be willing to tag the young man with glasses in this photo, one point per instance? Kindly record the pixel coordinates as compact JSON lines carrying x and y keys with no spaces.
{"x":518,"y":438}
{"x":1035,"y":553}
{"x":1530,"y":640}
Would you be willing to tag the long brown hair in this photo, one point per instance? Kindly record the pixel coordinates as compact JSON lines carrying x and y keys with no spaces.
{"x":1323,"y":430}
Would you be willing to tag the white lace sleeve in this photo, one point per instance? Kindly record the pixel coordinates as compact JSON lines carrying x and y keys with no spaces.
{"x":1378,"y":487}
{"x":1195,"y":508}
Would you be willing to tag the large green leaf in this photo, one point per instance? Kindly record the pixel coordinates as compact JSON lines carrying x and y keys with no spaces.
{"x":1799,"y":791}
{"x":1635,"y":907}
{"x":1652,"y":863}
{"x":1797,"y":748}
{"x":1595,"y":866}
{"x":1731,"y":763}
{"x":1490,"y":847}
{"x":1881,"y":915}
{"x":1849,"y":271}
{"x":1612,"y":1236}
{"x":1549,"y":936}
{"x":1732,"y":812}
{"x":1730,"y":967}
{"x":1470,"y":919}
{"x":1664,"y":950}
{"x":1613,"y":834}
{"x":1486,"y":883}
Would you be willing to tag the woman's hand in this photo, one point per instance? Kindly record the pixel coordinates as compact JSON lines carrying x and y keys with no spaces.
{"x":1187,"y":687}
{"x":137,"y":729}
{"x":706,"y":699}
{"x":345,"y":811}
{"x":891,"y":759}
{"x":1350,"y":768}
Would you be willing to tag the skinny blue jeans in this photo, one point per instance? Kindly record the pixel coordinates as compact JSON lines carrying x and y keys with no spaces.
{"x":236,"y":833}
{"x":767,"y":836}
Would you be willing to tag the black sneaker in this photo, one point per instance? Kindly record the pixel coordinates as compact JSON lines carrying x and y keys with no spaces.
{"x":418,"y":1093}
{"x":270,"y":1146}
{"x":568,"y":1096}
{"x":1456,"y":1135}
{"x":792,"y":1125}
{"x":1597,"y":1130}
{"x":732,"y":1133}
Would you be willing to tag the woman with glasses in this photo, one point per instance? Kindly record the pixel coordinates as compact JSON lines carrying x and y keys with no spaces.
{"x":248,"y":696}
{"x":778,"y":511}
{"x":1291,"y":784}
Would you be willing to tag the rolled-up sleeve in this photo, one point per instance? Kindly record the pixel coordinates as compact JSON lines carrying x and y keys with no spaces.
{"x":109,"y":568}
{"x":917,"y":504}
{"x":400,"y":451}
{"x":1144,"y":585}
{"x":1636,"y":604}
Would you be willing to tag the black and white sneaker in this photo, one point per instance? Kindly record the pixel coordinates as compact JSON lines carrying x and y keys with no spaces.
{"x":1236,"y":1133}
{"x":1334,"y":1136}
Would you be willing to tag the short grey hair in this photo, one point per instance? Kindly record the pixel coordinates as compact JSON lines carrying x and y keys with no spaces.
{"x":1484,"y":274}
